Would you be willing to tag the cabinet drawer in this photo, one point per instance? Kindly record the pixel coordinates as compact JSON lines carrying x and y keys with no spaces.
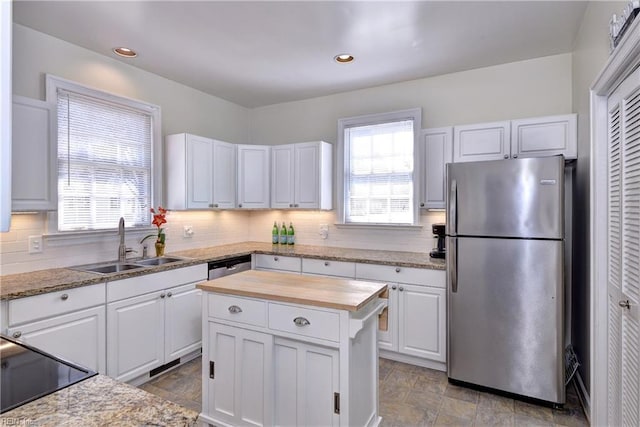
{"x":311,"y":323}
{"x":278,"y":262}
{"x":390,"y":273}
{"x":237,"y":309}
{"x":329,"y":268}
{"x":139,"y":285}
{"x":54,"y":303}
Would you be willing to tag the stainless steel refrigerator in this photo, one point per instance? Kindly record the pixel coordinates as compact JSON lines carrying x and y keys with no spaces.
{"x":505,"y":275}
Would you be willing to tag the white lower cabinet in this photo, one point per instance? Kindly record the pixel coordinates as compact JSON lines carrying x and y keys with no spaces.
{"x":149,"y":323}
{"x":78,"y":337}
{"x":306,"y":380}
{"x":69,"y":324}
{"x":416,"y":313}
{"x":240,"y":368}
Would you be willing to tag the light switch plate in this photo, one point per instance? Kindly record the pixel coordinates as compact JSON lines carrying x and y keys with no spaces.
{"x":188,"y":231}
{"x":35,"y":244}
{"x":324,"y":231}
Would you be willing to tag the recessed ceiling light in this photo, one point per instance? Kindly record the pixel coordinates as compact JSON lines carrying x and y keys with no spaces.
{"x":125,"y":51}
{"x":343,"y":58}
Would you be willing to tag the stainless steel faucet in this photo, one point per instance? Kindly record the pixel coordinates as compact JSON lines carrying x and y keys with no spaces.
{"x":122,"y":249}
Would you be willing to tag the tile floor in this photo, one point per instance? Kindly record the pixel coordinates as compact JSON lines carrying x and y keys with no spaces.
{"x":409,"y":396}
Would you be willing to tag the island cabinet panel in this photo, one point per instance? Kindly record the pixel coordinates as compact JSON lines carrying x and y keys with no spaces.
{"x":239,"y":369}
{"x":307,"y":381}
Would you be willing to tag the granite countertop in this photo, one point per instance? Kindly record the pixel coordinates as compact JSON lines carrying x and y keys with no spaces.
{"x":51,"y":280}
{"x":100,"y":401}
{"x":330,"y":292}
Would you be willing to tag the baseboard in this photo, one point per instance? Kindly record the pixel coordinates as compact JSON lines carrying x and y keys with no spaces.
{"x":412,"y":360}
{"x":583,"y":395}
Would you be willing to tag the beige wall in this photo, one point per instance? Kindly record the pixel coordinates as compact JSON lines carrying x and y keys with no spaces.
{"x":529,"y":88}
{"x":590,"y":53}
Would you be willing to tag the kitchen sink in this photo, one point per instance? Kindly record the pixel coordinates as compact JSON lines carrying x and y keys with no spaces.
{"x":158,"y":260}
{"x":109,"y":268}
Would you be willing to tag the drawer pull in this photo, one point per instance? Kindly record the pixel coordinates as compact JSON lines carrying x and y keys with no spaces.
{"x":235,"y":309}
{"x":326,"y":263}
{"x":17,"y":334}
{"x":64,"y":297}
{"x":301,"y":321}
{"x":275,"y":258}
{"x":162,"y":295}
{"x":169,"y":294}
{"x":397,"y":269}
{"x":401,"y":289}
{"x":394,"y":287}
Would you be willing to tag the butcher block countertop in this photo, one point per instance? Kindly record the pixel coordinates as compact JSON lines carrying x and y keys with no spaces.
{"x":337,"y":293}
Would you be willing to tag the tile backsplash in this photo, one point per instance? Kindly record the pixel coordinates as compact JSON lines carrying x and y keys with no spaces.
{"x":209,"y":228}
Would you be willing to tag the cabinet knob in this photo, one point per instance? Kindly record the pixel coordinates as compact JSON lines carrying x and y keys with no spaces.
{"x":394,"y":287}
{"x":515,"y":156}
{"x":290,"y":205}
{"x":326,"y":263}
{"x":235,"y":309}
{"x":506,"y":156}
{"x":215,"y":205}
{"x":162,"y":295}
{"x":401,"y":289}
{"x":240,"y":205}
{"x":397,"y":269}
{"x":169,"y":294}
{"x":422,"y":205}
{"x":210,"y":205}
{"x":296,"y":205}
{"x":301,"y":321}
{"x":64,"y":297}
{"x":275,"y":258}
{"x":17,"y":334}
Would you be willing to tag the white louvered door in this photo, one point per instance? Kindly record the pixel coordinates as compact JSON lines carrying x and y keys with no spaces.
{"x":624,"y":254}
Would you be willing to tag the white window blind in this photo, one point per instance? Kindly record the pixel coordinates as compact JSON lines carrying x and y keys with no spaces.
{"x":104,"y":163}
{"x":379,"y":173}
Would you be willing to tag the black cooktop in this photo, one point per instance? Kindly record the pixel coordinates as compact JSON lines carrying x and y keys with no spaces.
{"x":27,"y":373}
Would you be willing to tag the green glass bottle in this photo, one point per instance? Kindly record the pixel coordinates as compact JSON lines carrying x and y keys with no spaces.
{"x":291,"y":237}
{"x":283,"y":234}
{"x":275,"y":234}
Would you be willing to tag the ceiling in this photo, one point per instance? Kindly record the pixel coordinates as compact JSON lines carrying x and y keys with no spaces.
{"x":267,"y":52}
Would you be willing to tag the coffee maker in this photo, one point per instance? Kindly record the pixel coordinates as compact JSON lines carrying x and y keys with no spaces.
{"x":439,"y":251}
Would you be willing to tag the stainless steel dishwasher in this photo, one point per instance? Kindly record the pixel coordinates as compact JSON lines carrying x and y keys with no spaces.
{"x":229,"y":266}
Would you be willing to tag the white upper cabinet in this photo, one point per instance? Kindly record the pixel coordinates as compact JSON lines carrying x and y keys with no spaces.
{"x":483,"y":141}
{"x":532,"y":137}
{"x":5,"y":113}
{"x":200,"y":172}
{"x":34,"y":156}
{"x":301,"y":176}
{"x":545,"y":136}
{"x":253,"y":176}
{"x":436,"y":151}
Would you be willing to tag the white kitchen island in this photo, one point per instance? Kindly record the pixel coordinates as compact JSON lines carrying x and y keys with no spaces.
{"x":284,"y":350}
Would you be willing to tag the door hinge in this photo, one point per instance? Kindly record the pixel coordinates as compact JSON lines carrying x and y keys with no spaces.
{"x":336,"y":403}
{"x":212,"y":370}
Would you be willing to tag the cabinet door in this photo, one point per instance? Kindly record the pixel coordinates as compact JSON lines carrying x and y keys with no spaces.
{"x":483,"y":141}
{"x":34,"y":182}
{"x":253,"y":176}
{"x":199,"y":172}
{"x":545,"y":136}
{"x":240,"y":386}
{"x":306,"y":382}
{"x":282,"y":176}
{"x":307,"y":175}
{"x":183,"y":321}
{"x":5,"y":112}
{"x":224,"y":175}
{"x":436,"y":151}
{"x":421,"y":321}
{"x":135,"y":336}
{"x":78,"y":337}
{"x":388,"y":340}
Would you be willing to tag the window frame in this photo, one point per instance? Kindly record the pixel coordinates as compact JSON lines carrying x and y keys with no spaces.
{"x":52,"y":84}
{"x":414,"y":114}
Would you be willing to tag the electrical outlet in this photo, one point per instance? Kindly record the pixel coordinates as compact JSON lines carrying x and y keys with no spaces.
{"x":324,"y":231}
{"x":188,"y":231}
{"x":35,"y":244}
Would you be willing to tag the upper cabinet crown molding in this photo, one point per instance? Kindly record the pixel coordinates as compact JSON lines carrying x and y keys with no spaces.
{"x":301,"y":176}
{"x":34,"y":181}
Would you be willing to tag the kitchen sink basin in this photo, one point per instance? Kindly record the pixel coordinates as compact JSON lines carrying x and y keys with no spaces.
{"x":158,"y":261}
{"x":109,"y":268}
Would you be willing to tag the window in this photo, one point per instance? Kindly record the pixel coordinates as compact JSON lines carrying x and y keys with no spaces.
{"x":378,"y":158}
{"x":105,"y":158}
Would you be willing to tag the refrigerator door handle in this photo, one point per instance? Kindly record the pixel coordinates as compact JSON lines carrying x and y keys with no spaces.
{"x":453,"y":265}
{"x":453,"y":206}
